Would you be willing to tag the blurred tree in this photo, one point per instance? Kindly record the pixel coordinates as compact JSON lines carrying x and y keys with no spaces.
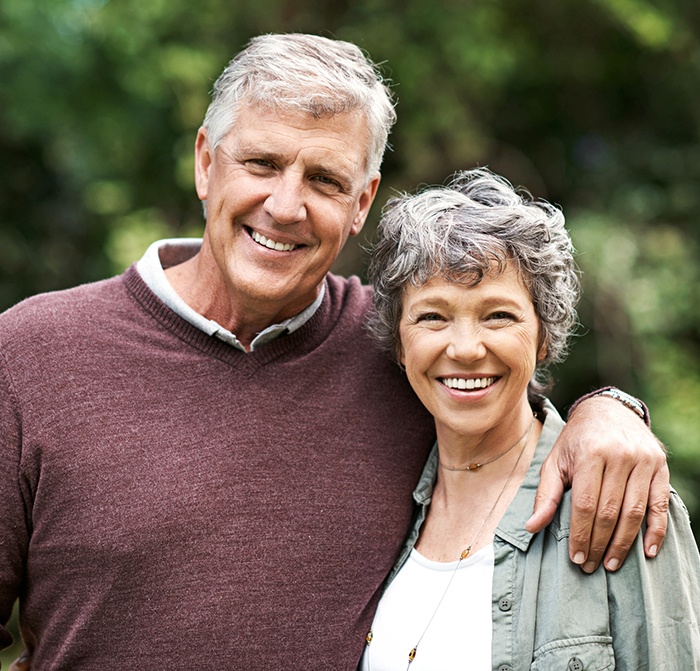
{"x":593,"y":105}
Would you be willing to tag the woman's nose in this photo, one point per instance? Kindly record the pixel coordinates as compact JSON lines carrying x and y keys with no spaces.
{"x":466,"y":343}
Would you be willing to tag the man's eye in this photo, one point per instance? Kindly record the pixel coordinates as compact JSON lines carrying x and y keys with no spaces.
{"x":327,"y":183}
{"x":260,"y":163}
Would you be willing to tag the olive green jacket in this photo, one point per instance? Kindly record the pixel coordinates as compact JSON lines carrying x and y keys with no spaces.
{"x":548,"y":615}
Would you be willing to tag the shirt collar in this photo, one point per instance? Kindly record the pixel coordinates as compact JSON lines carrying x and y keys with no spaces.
{"x":511,"y":528}
{"x":164,"y":253}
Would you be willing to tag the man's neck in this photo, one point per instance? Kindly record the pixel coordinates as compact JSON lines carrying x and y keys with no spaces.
{"x":209,"y":298}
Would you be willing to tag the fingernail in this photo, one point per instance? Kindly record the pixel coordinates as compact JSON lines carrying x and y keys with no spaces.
{"x":653,"y":550}
{"x":613,"y":565}
{"x":579,"y":558}
{"x":589,"y":567}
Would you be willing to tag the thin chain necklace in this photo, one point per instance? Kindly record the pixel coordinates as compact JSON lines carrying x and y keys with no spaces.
{"x":466,"y":552}
{"x":474,"y":466}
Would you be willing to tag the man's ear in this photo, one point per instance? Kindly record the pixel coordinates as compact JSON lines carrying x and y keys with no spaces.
{"x":365,"y":203}
{"x":203,"y":158}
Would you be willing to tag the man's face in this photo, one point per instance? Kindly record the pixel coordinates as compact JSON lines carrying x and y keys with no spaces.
{"x":284,"y":192}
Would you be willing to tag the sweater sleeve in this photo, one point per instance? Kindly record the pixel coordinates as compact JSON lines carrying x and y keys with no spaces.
{"x":14,"y":536}
{"x":655,"y":603}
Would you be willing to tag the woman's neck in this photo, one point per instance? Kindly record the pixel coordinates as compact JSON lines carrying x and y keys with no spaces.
{"x":467,"y":505}
{"x":459,"y":451}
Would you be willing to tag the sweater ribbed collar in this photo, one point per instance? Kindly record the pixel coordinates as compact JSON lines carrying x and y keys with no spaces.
{"x":292,"y":345}
{"x":164,"y":253}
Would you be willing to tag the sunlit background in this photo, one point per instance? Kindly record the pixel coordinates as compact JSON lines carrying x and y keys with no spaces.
{"x":592,"y":104}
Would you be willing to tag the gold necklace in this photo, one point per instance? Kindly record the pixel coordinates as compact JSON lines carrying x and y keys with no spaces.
{"x":473,"y":467}
{"x":465,"y":553}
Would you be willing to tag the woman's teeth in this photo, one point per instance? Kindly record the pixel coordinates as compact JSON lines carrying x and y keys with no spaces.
{"x":471,"y":383}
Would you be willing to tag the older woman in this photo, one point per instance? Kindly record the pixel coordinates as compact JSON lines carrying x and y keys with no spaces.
{"x":475,"y":290}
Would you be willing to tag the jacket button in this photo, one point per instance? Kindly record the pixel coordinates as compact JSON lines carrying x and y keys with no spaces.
{"x":505,"y":604}
{"x":575,"y":664}
{"x":505,"y":667}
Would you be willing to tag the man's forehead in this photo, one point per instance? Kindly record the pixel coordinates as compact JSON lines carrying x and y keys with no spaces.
{"x":251,"y":114}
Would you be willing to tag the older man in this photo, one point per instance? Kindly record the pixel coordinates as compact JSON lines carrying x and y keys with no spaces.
{"x":206,"y":463}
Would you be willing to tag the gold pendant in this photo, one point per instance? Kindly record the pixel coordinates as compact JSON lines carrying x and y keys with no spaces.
{"x":412,"y":654}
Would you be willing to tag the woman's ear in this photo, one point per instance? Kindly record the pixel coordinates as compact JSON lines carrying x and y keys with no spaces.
{"x":400,"y":357}
{"x":542,"y":349}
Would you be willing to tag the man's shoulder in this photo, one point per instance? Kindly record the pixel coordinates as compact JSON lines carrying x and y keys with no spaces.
{"x":56,"y":308}
{"x":350,"y":292}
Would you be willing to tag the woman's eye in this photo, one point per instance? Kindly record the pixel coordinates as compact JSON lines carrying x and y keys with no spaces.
{"x":502,"y":316}
{"x":430,"y":317}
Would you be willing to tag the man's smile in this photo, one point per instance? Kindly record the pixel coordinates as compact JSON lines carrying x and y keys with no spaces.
{"x":271,"y":244}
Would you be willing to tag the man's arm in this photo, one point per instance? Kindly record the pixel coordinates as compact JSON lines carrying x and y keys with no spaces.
{"x":14,"y":535}
{"x":618,"y":475}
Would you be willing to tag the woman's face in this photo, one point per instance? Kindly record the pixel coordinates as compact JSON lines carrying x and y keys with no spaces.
{"x":470,"y":352}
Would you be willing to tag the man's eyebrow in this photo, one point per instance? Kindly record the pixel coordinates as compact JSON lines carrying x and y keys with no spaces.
{"x":248,"y":149}
{"x":321,"y":169}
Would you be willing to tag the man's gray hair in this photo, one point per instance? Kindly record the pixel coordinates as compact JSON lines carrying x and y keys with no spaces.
{"x":304,"y":73}
{"x":463,"y":231}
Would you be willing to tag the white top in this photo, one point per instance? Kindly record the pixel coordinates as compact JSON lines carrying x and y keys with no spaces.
{"x":459,"y":636}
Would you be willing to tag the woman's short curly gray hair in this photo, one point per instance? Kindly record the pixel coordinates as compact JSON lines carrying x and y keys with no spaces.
{"x":474,"y":226}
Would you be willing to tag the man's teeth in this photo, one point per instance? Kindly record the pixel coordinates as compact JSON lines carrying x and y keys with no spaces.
{"x":271,"y":244}
{"x":471,"y":383}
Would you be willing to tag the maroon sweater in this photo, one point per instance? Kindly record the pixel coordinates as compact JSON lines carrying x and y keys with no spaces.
{"x":169,"y":502}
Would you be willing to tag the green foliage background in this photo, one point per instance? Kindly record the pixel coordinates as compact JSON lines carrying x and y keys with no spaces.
{"x":592,"y":104}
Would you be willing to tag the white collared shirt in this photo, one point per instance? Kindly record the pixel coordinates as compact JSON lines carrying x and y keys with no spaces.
{"x":152,"y":272}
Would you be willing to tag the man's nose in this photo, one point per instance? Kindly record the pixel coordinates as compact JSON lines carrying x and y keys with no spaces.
{"x":285,"y":202}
